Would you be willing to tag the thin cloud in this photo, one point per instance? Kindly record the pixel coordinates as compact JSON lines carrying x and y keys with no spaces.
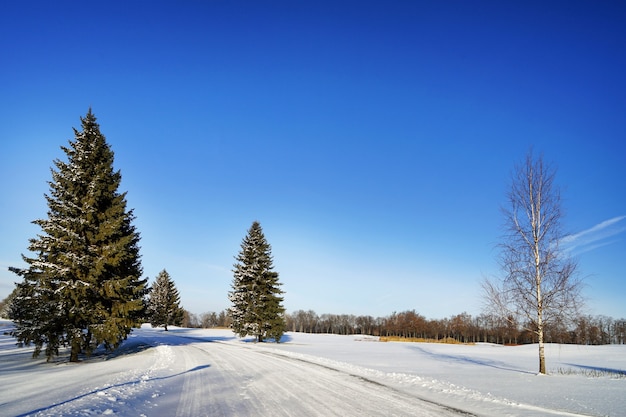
{"x":594,"y":237}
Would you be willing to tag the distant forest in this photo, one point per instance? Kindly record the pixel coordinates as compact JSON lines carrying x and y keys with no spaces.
{"x":461,"y":328}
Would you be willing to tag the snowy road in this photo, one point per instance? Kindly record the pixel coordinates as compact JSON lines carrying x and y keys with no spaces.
{"x":181,"y":376}
{"x":243,"y":381}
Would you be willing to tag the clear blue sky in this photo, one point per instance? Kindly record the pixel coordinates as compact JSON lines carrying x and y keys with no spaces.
{"x":372,"y":140}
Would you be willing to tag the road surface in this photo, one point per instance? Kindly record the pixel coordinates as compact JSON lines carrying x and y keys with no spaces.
{"x":159,"y":373}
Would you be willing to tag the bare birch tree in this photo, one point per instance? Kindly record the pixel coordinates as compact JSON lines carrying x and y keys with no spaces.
{"x":540,"y":283}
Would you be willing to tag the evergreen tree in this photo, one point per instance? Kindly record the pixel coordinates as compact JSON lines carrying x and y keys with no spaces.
{"x":164,"y":304}
{"x":82,"y":288}
{"x":5,"y":305}
{"x":256,"y":295}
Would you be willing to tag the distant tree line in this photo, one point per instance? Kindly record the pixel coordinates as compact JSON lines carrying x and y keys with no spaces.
{"x":207,"y":320}
{"x":464,"y":328}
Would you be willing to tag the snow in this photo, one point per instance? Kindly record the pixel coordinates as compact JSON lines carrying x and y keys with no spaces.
{"x":196,"y":372}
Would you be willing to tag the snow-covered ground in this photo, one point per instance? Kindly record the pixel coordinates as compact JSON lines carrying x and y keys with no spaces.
{"x":194,"y":372}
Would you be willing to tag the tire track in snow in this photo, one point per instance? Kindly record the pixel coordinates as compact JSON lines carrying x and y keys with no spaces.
{"x":197,"y":384}
{"x":394,"y":381}
{"x":245,"y":381}
{"x":371,"y":381}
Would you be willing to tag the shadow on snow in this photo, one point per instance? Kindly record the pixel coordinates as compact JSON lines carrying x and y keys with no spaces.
{"x":599,"y":369}
{"x":249,"y":339}
{"x":123,"y":384}
{"x":470,"y":360}
{"x":138,"y":342}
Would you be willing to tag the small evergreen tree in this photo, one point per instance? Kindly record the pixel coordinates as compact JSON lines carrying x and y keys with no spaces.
{"x":6,"y":304}
{"x":82,"y":287}
{"x":256,"y":295}
{"x":164,"y":303}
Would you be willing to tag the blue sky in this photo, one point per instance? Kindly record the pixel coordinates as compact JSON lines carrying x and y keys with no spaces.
{"x":374,"y":141}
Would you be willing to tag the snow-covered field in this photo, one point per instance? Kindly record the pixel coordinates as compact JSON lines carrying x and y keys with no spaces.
{"x":194,"y":372}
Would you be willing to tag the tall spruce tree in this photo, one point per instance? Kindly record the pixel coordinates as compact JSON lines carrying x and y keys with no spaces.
{"x":82,"y":287}
{"x":256,"y":295}
{"x":164,"y":305}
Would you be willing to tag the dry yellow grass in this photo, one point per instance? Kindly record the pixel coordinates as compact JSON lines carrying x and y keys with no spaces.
{"x":447,"y":340}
